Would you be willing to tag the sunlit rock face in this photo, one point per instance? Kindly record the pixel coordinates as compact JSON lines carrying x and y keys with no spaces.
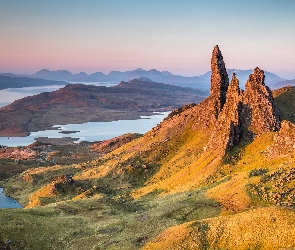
{"x":234,"y":113}
{"x":219,"y":79}
{"x":259,"y":100}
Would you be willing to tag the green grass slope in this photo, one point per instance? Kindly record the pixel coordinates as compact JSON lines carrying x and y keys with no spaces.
{"x":162,"y":191}
{"x":284,"y":100}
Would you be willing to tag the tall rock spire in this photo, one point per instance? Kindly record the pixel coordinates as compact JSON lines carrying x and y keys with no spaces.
{"x":219,"y":79}
{"x":264,"y":116}
{"x":245,"y":113}
{"x":227,"y":132}
{"x":232,"y":114}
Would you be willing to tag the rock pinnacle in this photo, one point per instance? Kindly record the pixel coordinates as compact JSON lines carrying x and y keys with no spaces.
{"x":219,"y":79}
{"x":264,"y":115}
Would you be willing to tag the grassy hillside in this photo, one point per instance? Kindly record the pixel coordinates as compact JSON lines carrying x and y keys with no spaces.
{"x":284,"y":100}
{"x":162,"y":191}
{"x":101,"y":222}
{"x":264,"y":228}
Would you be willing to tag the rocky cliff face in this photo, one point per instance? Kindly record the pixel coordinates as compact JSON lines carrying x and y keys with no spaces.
{"x":262,"y":112}
{"x":228,"y":130}
{"x":207,"y":112}
{"x":232,"y":113}
{"x":219,"y":80}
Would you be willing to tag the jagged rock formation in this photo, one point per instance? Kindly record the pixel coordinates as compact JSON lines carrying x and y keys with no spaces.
{"x":228,"y":131}
{"x":258,"y":98}
{"x":207,"y":112}
{"x":235,"y":113}
{"x":230,"y":114}
{"x":219,"y":79}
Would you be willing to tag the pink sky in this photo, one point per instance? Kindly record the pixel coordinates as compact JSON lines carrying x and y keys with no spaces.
{"x":177,"y":36}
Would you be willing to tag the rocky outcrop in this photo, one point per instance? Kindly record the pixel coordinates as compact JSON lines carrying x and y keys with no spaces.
{"x":219,"y":80}
{"x":228,"y":131}
{"x":262,"y":114}
{"x":237,"y":113}
{"x":208,"y":111}
{"x":17,"y":153}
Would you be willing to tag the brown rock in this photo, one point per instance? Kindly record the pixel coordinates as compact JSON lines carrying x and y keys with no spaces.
{"x":261,"y":114}
{"x":243,"y":113}
{"x":207,"y":111}
{"x":229,"y":114}
{"x":219,"y":79}
{"x":228,"y":131}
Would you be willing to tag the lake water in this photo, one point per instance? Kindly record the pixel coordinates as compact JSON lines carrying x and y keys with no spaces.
{"x":7,"y":202}
{"x":90,"y":131}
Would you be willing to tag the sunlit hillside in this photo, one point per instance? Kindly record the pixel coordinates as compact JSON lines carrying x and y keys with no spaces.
{"x":217,"y":175}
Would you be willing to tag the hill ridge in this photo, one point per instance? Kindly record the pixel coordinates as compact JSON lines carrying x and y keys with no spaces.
{"x":215,"y":175}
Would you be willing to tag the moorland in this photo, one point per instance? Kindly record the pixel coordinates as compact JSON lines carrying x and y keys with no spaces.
{"x":216,"y":175}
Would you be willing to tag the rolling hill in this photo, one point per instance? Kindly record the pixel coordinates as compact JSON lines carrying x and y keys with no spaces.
{"x":217,"y":175}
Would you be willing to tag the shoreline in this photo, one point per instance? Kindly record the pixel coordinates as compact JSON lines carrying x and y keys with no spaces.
{"x":88,"y":131}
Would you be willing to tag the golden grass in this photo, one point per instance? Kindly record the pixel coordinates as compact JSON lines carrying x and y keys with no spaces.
{"x":44,"y":192}
{"x":188,"y":177}
{"x":85,"y":195}
{"x":39,"y":170}
{"x":93,"y":173}
{"x":263,"y":228}
{"x":253,"y":156}
{"x":284,"y":101}
{"x":232,"y":194}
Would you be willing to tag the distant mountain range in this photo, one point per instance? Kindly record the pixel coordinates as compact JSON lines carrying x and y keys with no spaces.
{"x":117,"y":76}
{"x":200,"y":82}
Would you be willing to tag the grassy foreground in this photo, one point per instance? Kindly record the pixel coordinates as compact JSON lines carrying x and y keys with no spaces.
{"x":160,"y":191}
{"x":101,"y":222}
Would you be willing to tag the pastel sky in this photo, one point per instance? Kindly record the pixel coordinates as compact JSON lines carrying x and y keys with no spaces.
{"x":173,"y":35}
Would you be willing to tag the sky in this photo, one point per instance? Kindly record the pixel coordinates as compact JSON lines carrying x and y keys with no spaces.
{"x":173,"y":35}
